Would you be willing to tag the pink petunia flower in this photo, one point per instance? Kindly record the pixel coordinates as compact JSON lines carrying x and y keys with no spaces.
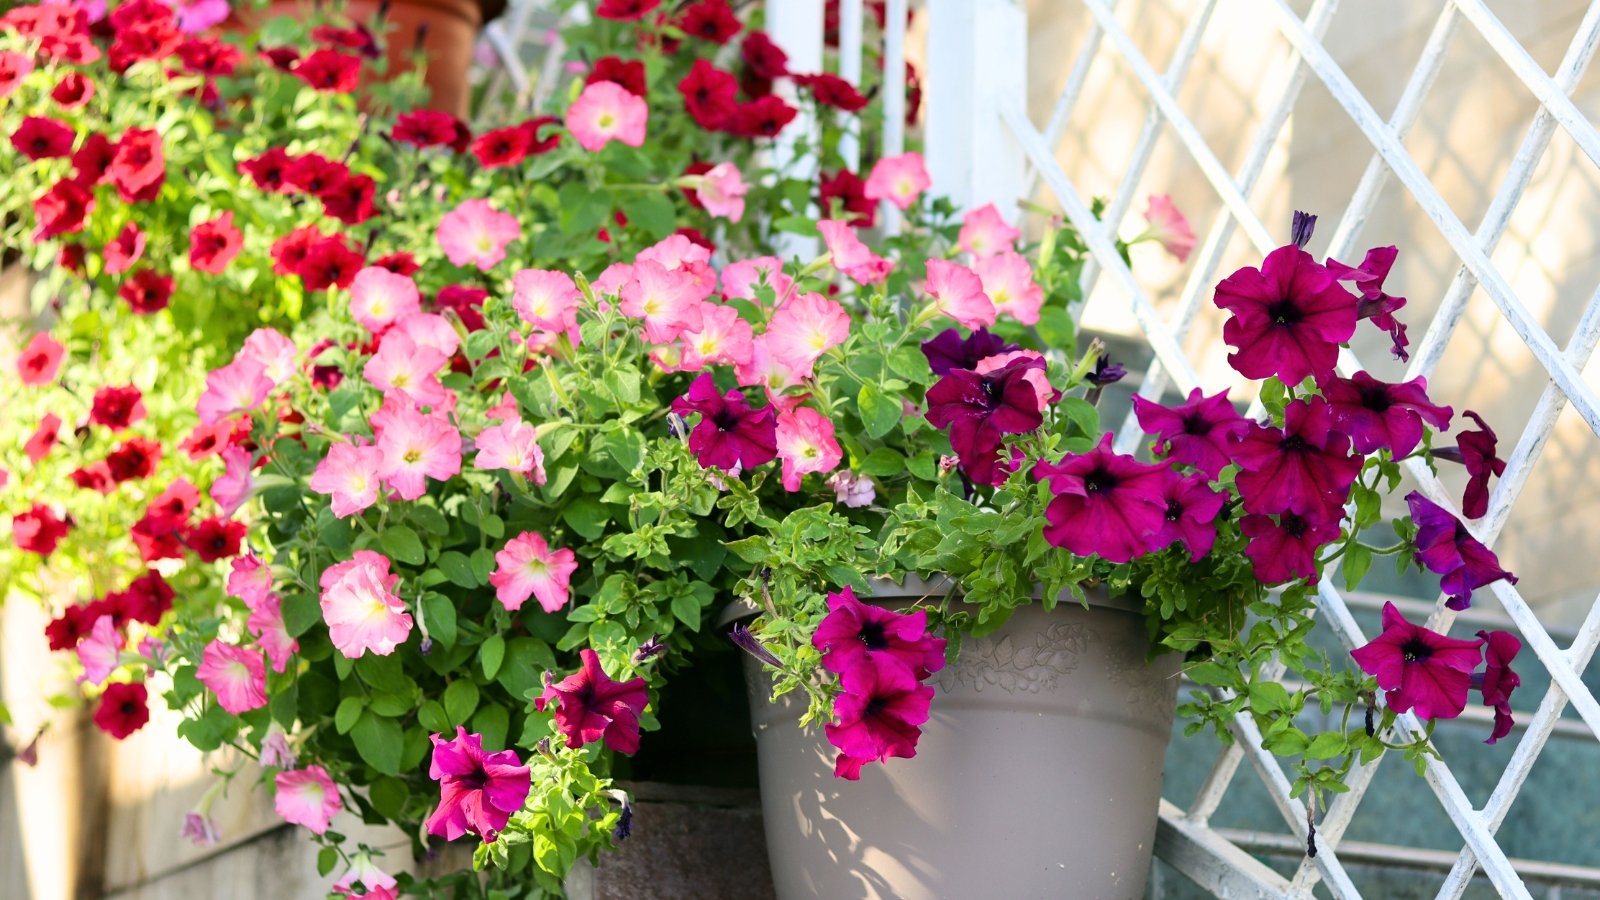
{"x":99,"y":651}
{"x":307,"y":797}
{"x":607,"y":112}
{"x":350,"y":475}
{"x":276,"y":752}
{"x":239,"y":386}
{"x":364,"y":870}
{"x":1168,"y":227}
{"x":359,"y":604}
{"x":249,"y":579}
{"x":766,"y":370}
{"x":401,"y":367}
{"x":669,"y":302}
{"x":40,"y":360}
{"x":427,"y":330}
{"x":723,"y":338}
{"x":379,"y":297}
{"x":850,"y":256}
{"x":416,"y":447}
{"x":236,"y":675}
{"x":804,"y":328}
{"x":676,"y":253}
{"x":740,"y":279}
{"x":984,"y":232}
{"x":721,"y":191}
{"x":1007,"y":280}
{"x":958,"y":292}
{"x":548,"y":301}
{"x":512,"y":445}
{"x":474,"y":233}
{"x":854,"y":491}
{"x":806,"y":445}
{"x":200,"y":830}
{"x":527,"y":567}
{"x":275,"y":352}
{"x":233,"y":487}
{"x":898,"y":179}
{"x":479,"y":791}
{"x":272,"y":636}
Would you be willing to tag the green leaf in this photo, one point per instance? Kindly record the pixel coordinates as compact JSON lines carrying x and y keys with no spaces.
{"x":1056,"y":328}
{"x":483,"y":564}
{"x":492,"y":722}
{"x":388,"y":796}
{"x":1357,"y":560}
{"x":349,"y":711}
{"x":884,"y":461}
{"x":379,"y":741}
{"x":401,"y":543}
{"x":384,"y":673}
{"x":431,"y":519}
{"x":1082,"y":414}
{"x":327,"y":858}
{"x":687,"y":608}
{"x":1267,"y":697}
{"x":491,"y":654}
{"x":652,"y":212}
{"x":456,"y":567}
{"x":1327,"y":745}
{"x":587,"y":517}
{"x":440,"y":614}
{"x":433,"y":717}
{"x":460,"y":700}
{"x":880,"y":414}
{"x":300,"y":612}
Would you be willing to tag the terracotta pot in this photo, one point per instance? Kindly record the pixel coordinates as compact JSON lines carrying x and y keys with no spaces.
{"x":452,"y":30}
{"x":1037,"y":775}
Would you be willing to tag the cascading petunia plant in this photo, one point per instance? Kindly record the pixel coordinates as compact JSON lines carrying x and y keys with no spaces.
{"x":505,"y":417}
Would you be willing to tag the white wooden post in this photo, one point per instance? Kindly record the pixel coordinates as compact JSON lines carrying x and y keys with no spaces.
{"x":796,"y":27}
{"x":977,"y":62}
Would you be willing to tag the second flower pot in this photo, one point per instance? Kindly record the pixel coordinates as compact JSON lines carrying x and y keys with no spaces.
{"x":1038,"y":773}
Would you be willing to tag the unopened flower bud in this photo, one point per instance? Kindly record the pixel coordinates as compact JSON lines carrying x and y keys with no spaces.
{"x":752,"y":645}
{"x":1300,"y":233}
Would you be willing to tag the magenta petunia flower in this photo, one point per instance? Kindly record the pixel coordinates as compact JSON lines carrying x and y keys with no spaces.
{"x":879,"y":715}
{"x":1289,"y":317}
{"x":1447,"y":549}
{"x":1421,"y":670}
{"x":854,"y":634}
{"x":1191,"y":515}
{"x":307,"y":797}
{"x":1475,"y":450}
{"x":1375,"y":305}
{"x":527,"y":567}
{"x":1286,"y":549}
{"x":99,"y":651}
{"x":979,"y":409}
{"x":479,"y":791}
{"x":590,"y":706}
{"x":1497,"y":681}
{"x":1200,"y":433}
{"x":1304,"y":468}
{"x":1106,"y":504}
{"x":236,"y":675}
{"x":1378,"y":414}
{"x":729,"y":432}
{"x":948,"y":350}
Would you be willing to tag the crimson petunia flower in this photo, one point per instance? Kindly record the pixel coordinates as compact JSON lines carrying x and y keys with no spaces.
{"x":479,"y":791}
{"x":329,"y":70}
{"x":215,"y":538}
{"x":149,"y":597}
{"x":124,"y":708}
{"x":709,"y":94}
{"x":133,"y":459}
{"x":41,"y":137}
{"x":1497,"y":681}
{"x":1421,"y":670}
{"x":39,"y":529}
{"x":1475,"y":450}
{"x":879,"y":715}
{"x":763,"y":58}
{"x":94,"y":477}
{"x":855,"y":634}
{"x":979,"y":409}
{"x":832,"y":91}
{"x":1199,"y":433}
{"x":270,"y":170}
{"x":117,"y":407}
{"x":146,"y":291}
{"x":40,"y":360}
{"x":590,"y":706}
{"x":1379,"y":414}
{"x":729,"y":432}
{"x":948,"y":350}
{"x":1191,"y":515}
{"x":61,"y":209}
{"x":1305,"y":467}
{"x":122,"y":251}
{"x":329,"y":263}
{"x":43,"y":439}
{"x":1289,"y":317}
{"x":710,"y":20}
{"x":1446,"y":548}
{"x":214,"y":243}
{"x":73,"y":90}
{"x":628,"y":73}
{"x":625,"y":10}
{"x":351,"y":200}
{"x":64,"y":631}
{"x":1286,"y":549}
{"x":158,"y":537}
{"x":137,"y":165}
{"x":761,"y":117}
{"x":850,"y":191}
{"x":1106,"y":504}
{"x":315,"y":173}
{"x":1375,"y":305}
{"x":431,"y":128}
{"x":502,"y":146}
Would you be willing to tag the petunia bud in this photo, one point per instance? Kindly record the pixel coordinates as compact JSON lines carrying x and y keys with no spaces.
{"x":649,"y":650}
{"x":752,"y":645}
{"x":1300,"y":230}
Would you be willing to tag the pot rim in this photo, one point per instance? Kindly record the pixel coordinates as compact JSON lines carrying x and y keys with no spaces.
{"x":915,"y":587}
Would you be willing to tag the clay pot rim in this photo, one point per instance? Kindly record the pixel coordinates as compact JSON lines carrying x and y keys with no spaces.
{"x":915,"y":587}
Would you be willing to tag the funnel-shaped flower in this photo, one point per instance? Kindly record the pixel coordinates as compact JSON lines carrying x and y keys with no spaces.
{"x":1448,"y":549}
{"x":590,"y":706}
{"x":236,"y":675}
{"x":729,"y":432}
{"x":1289,"y":317}
{"x":1199,"y":433}
{"x":479,"y":791}
{"x":1378,"y":414}
{"x":855,"y":634}
{"x":1106,"y":504}
{"x":1306,"y":467}
{"x":1421,"y":670}
{"x":307,"y":797}
{"x":879,"y":715}
{"x":527,"y":567}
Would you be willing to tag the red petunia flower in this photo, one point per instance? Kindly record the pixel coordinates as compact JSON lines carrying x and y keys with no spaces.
{"x":149,"y":597}
{"x":147,"y":291}
{"x":329,"y":263}
{"x":62,"y":209}
{"x":124,"y":708}
{"x":709,"y":94}
{"x":39,"y":361}
{"x":431,"y":128}
{"x":134,"y":459}
{"x":94,"y":477}
{"x":210,"y":57}
{"x":329,"y":70}
{"x":850,"y":192}
{"x":270,"y":170}
{"x":351,"y":200}
{"x":315,"y":173}
{"x":709,"y":20}
{"x":762,"y":117}
{"x":158,"y":537}
{"x":39,"y":530}
{"x":215,"y":538}
{"x":93,"y":158}
{"x":625,"y":10}
{"x":117,"y":407}
{"x":833,"y":91}
{"x":65,"y":630}
{"x":73,"y":90}
{"x":763,"y":58}
{"x":214,"y":243}
{"x":138,"y":167}
{"x":124,"y":250}
{"x":43,"y":439}
{"x":628,"y":73}
{"x":590,"y":706}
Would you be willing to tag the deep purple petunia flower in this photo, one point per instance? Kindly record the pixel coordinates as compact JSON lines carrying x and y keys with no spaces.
{"x":1191,"y":515}
{"x":979,"y":409}
{"x":1376,"y":305}
{"x":1305,"y":468}
{"x":1497,"y":681}
{"x":1106,"y":504}
{"x":1286,"y":549}
{"x":948,"y":350}
{"x":1421,"y":670}
{"x":591,"y":706}
{"x":479,"y":791}
{"x":1199,"y":433}
{"x":1289,"y":317}
{"x":729,"y":432}
{"x":1475,"y":450}
{"x":855,"y":634}
{"x":1447,"y":549}
{"x":1301,"y":226}
{"x":1378,"y":414}
{"x":880,"y":714}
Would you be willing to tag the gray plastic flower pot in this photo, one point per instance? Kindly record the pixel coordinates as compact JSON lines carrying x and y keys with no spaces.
{"x":1037,"y":775}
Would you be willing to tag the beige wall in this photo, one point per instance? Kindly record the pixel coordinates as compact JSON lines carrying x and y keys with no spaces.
{"x":1470,"y":126}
